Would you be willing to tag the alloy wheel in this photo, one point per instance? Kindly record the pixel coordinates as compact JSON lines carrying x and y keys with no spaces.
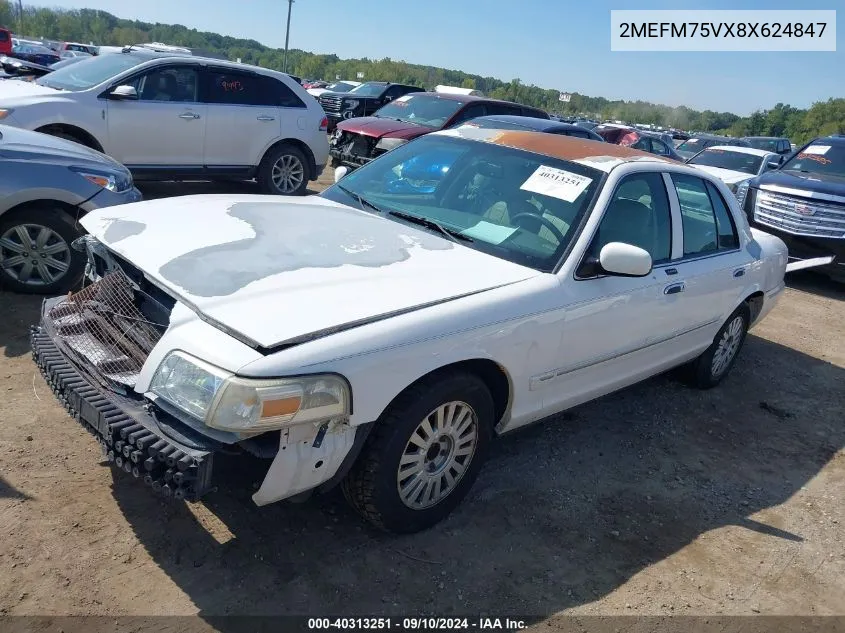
{"x":437,"y":455}
{"x":728,"y":347}
{"x":288,"y":174}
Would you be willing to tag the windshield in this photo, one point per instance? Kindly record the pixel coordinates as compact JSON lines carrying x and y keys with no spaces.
{"x":768,"y":144}
{"x":512,"y":204}
{"x":429,"y":110}
{"x":819,"y":158}
{"x":339,"y":86}
{"x":369,"y":90}
{"x":725,"y":159}
{"x":90,"y":72}
{"x":696,"y":144}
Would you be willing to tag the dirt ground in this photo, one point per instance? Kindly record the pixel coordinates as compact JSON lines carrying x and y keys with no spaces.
{"x":658,"y":500}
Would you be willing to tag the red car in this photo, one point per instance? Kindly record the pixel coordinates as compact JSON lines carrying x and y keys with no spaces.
{"x":650,"y":142}
{"x":5,"y":41}
{"x":359,"y":140}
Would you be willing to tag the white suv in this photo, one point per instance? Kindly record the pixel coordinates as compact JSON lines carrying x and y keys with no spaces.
{"x":169,"y":116}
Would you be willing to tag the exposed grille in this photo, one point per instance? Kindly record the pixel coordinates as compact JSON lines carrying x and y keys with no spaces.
{"x":101,"y":327}
{"x":800,"y":216}
{"x":358,"y":145}
{"x":331,"y":105}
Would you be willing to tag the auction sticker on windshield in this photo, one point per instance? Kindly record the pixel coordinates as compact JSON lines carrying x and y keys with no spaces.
{"x":816,"y":149}
{"x":557,"y":183}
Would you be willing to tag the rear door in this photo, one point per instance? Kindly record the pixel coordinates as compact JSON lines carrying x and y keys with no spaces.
{"x":245,"y":116}
{"x":708,"y":275}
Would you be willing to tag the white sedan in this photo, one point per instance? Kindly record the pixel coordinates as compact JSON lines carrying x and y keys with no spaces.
{"x":734,"y":165}
{"x":381,"y":334}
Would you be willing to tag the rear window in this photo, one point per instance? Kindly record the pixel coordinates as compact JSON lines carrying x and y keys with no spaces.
{"x":235,"y":88}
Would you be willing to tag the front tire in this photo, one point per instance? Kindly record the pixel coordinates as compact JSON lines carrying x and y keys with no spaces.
{"x":423,"y":455}
{"x":284,"y":171}
{"x":36,"y":256}
{"x":715,"y":363}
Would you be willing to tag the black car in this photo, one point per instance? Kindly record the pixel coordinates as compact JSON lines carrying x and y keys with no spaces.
{"x":362,"y":100}
{"x":803,"y":203}
{"x":695,"y":144}
{"x":36,"y":54}
{"x":777,"y":144}
{"x":532,"y":124}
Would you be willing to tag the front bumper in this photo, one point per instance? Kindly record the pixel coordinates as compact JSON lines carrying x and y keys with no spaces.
{"x":131,"y":436}
{"x":802,"y":247}
{"x":350,"y":160}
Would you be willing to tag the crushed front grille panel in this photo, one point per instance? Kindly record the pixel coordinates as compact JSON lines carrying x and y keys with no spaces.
{"x":128,"y":435}
{"x":102,"y":327}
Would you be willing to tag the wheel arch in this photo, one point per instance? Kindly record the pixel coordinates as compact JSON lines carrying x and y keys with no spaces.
{"x":495,"y":377}
{"x":301,"y":146}
{"x":754,"y":301}
{"x":72,"y":210}
{"x":85,"y":137}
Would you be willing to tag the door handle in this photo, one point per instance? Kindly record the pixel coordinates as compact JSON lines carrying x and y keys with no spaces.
{"x":673,"y":289}
{"x":671,"y":271}
{"x":739,"y":272}
{"x":264,"y":117}
{"x":189,"y":115}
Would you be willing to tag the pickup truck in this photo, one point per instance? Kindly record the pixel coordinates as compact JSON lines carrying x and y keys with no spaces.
{"x":362,"y":100}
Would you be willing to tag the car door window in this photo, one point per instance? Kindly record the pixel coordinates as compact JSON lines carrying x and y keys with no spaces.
{"x":469,"y":112}
{"x":659,"y":148}
{"x":224,"y":87}
{"x":171,"y":83}
{"x":643,"y":144}
{"x":395,"y":91}
{"x":697,"y":216}
{"x":638,"y":214}
{"x":725,"y":227}
{"x":503,"y":108}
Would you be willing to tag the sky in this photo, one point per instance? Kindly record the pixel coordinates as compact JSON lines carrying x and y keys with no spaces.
{"x":558,"y":44}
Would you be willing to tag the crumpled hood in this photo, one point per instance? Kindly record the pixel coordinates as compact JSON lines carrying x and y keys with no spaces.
{"x":727,"y":176}
{"x":379,"y":127}
{"x":283,"y":270}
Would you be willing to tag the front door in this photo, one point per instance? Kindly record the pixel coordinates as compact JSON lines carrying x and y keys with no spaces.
{"x":165,"y":126}
{"x":617,"y":329}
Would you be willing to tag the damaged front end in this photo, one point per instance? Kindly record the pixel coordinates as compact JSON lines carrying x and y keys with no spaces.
{"x":92,"y":347}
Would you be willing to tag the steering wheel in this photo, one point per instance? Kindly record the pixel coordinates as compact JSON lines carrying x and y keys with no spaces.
{"x":542,"y":220}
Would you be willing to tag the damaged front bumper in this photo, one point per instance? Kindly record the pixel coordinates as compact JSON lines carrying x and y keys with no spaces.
{"x":129,"y":434}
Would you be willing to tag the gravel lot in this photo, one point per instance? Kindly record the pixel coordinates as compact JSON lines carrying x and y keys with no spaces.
{"x":657,"y":500}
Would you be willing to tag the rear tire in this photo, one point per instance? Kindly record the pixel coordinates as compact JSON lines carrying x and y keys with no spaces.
{"x":36,"y":256}
{"x":709,"y":369}
{"x":284,"y":171}
{"x":423,"y":455}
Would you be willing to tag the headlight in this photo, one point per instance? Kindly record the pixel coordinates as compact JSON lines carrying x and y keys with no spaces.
{"x":245,"y":405}
{"x":5,"y":112}
{"x":116,"y":182}
{"x":351,"y":104}
{"x":388,"y":144}
{"x":740,"y":192}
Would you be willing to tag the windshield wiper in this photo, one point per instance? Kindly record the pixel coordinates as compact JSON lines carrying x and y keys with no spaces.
{"x":362,"y":202}
{"x":431,"y":224}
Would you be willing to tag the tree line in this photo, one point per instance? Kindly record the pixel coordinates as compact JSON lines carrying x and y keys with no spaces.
{"x":100,"y":27}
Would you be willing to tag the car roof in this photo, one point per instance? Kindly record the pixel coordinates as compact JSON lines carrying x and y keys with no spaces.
{"x":595,"y":154}
{"x":149,"y":54}
{"x":764,"y":138}
{"x":739,"y":149}
{"x":472,"y":98}
{"x":534,"y":123}
{"x":833,"y":138}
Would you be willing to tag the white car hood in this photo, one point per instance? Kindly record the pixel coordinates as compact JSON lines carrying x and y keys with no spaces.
{"x":278,"y":271}
{"x":727,"y":176}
